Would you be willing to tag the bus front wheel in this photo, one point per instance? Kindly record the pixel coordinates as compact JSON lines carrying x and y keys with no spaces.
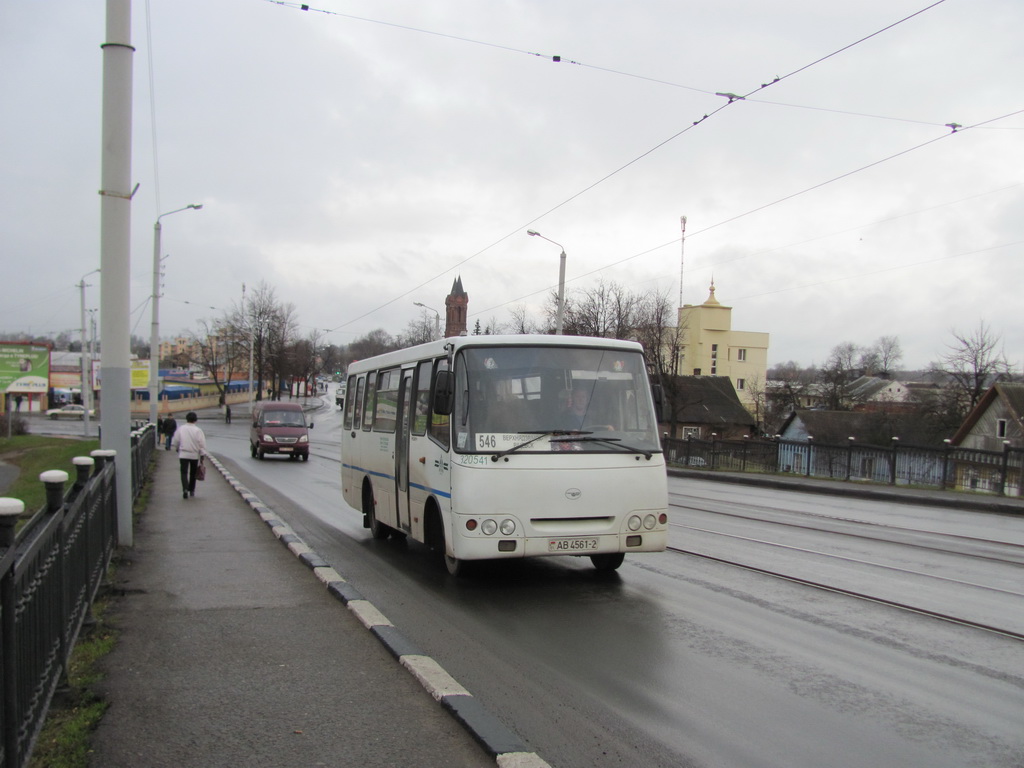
{"x":455,"y":566}
{"x":608,"y":561}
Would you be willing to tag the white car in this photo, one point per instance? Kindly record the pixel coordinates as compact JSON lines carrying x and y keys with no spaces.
{"x":69,"y":412}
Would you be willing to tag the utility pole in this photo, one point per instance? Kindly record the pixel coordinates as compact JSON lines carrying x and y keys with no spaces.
{"x":115,"y":245}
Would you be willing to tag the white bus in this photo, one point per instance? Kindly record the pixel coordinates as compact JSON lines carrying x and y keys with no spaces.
{"x":488,"y":447}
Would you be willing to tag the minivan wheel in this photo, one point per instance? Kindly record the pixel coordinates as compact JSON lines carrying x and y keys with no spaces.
{"x":252,"y":449}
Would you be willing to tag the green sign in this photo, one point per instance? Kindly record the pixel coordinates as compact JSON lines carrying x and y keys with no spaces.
{"x":24,"y":368}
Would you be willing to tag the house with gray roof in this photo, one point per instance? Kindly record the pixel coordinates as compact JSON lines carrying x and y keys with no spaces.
{"x":996,"y":421}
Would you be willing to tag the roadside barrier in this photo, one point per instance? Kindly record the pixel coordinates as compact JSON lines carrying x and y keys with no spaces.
{"x":50,"y":572}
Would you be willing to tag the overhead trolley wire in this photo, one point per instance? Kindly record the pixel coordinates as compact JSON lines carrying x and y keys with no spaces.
{"x":731,"y":98}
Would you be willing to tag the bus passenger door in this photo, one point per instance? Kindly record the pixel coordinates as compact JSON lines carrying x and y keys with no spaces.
{"x":402,"y":449}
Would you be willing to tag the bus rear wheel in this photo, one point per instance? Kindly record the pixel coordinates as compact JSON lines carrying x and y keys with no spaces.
{"x":377,"y":529}
{"x":608,"y":561}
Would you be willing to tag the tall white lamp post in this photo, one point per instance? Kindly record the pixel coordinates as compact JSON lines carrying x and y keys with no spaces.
{"x":561,"y":280}
{"x":154,"y":335}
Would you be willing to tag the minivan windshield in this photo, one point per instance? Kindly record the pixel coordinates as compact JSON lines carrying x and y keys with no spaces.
{"x":548,"y":399}
{"x":272,"y":418}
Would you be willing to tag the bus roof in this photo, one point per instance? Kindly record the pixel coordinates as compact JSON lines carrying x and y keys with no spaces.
{"x":438,"y":348}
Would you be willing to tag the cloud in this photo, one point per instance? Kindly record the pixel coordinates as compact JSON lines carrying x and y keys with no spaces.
{"x":359,"y":167}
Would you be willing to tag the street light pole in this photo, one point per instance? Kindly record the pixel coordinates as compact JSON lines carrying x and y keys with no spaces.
{"x":437,"y":319}
{"x":559,"y":314}
{"x":86,"y":387}
{"x":252,"y":341}
{"x":154,"y":333}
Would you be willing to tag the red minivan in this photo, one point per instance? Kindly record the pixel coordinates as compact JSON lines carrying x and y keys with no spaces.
{"x":279,"y":428}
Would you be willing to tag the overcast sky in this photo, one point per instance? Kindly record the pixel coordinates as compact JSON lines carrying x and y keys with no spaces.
{"x":358,"y":156}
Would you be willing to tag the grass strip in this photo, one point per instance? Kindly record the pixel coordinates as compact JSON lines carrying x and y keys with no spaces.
{"x":35,"y":454}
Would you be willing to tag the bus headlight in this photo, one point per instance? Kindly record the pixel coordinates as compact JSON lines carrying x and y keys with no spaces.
{"x":634,"y":522}
{"x":508,"y":527}
{"x":489,"y":527}
{"x":650,"y":521}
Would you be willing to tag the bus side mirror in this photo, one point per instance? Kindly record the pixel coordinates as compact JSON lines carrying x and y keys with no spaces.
{"x":444,"y":393}
{"x":659,"y":397}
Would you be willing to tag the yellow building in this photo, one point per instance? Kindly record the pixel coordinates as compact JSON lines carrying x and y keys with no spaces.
{"x":710,"y":347}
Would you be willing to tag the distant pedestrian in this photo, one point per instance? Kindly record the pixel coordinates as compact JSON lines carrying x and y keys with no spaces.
{"x":170,"y":427}
{"x":227,"y":414}
{"x":190,"y":443}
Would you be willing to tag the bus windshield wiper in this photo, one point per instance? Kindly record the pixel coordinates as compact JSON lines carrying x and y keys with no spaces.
{"x":615,"y":441}
{"x":539,"y":434}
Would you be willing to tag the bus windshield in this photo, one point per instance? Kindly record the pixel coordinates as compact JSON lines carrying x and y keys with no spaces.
{"x":549,"y":399}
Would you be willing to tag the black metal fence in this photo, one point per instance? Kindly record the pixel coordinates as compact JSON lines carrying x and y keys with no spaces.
{"x":50,"y":572}
{"x":947,"y":468}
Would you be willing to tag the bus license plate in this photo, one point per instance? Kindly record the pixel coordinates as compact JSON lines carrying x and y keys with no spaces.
{"x":572,"y":545}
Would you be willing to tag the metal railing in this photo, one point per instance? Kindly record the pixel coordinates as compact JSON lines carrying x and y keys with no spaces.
{"x":948,"y":468}
{"x":50,"y":572}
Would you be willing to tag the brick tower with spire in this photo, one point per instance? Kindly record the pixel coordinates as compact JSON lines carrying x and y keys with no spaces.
{"x":456,"y":310}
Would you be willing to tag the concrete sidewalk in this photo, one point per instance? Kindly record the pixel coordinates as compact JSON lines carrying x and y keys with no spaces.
{"x":234,"y":653}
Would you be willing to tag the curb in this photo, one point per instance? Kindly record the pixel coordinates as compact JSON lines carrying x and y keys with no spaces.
{"x":508,"y":750}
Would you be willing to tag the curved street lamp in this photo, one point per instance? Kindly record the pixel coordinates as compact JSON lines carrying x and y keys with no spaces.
{"x":154,"y":334}
{"x":561,"y":280}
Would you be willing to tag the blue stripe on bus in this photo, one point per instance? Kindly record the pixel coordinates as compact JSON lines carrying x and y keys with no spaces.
{"x":386,"y":476}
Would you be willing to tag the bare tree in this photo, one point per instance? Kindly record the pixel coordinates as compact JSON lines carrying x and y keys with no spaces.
{"x":521,"y":322}
{"x":974,"y":362}
{"x":607,"y":310}
{"x":376,"y":342}
{"x":839,"y":370}
{"x":662,"y":339}
{"x":757,"y":393}
{"x":306,"y":363}
{"x":333,"y":359}
{"x":215,"y":350}
{"x":890,"y":353}
{"x":419,"y":330}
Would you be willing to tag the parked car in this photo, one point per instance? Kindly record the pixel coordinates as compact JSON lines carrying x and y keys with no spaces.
{"x":69,"y":412}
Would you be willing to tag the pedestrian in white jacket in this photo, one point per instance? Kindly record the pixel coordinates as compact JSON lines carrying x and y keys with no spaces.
{"x":190,"y":443}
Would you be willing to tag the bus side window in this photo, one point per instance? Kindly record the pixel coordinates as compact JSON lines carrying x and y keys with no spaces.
{"x":419,"y":425}
{"x":357,"y":403}
{"x":386,"y":411}
{"x":368,"y":404}
{"x":350,"y":388}
{"x":439,"y":423}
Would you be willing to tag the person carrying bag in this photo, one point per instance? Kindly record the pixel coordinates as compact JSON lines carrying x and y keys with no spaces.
{"x":190,"y":443}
